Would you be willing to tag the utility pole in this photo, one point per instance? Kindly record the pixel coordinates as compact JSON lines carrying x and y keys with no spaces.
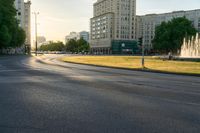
{"x":36,"y":41}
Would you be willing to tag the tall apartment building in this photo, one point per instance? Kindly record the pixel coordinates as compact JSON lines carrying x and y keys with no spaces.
{"x":146,"y":24}
{"x":76,"y":36}
{"x":27,"y":23}
{"x":112,"y":27}
{"x":24,"y":17}
{"x":19,"y":5}
{"x":85,"y":35}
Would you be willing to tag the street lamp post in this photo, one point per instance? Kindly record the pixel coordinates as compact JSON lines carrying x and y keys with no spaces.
{"x":36,"y":42}
{"x":143,"y":65}
{"x":140,"y":40}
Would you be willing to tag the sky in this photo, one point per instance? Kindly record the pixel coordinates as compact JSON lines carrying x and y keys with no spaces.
{"x":57,"y":18}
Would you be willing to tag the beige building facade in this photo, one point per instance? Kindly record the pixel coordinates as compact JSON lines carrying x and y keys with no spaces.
{"x":113,"y":20}
{"x":145,"y":26}
{"x":24,"y":17}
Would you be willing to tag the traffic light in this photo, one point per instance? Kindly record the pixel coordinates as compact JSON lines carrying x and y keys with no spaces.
{"x":140,"y":41}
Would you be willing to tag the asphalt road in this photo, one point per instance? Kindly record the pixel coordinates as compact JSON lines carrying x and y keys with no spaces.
{"x":36,"y":97}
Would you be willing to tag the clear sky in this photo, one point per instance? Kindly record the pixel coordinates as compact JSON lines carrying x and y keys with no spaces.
{"x":59,"y":17}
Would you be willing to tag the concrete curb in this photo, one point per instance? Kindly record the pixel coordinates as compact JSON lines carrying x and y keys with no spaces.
{"x":132,"y":69}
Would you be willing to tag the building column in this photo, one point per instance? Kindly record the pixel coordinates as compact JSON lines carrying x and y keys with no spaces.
{"x":108,"y":51}
{"x":104,"y":50}
{"x":98,"y":51}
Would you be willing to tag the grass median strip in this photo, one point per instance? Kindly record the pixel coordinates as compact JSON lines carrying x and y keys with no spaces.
{"x":134,"y":62}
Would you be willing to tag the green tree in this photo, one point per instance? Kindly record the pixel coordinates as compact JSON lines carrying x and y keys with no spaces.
{"x":18,"y":37}
{"x":11,"y":35}
{"x":169,"y":35}
{"x":72,"y":45}
{"x":83,"y":46}
{"x":5,"y":37}
{"x":21,"y":37}
{"x":79,"y":45}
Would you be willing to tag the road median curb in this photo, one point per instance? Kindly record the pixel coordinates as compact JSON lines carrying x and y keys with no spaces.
{"x":135,"y":69}
{"x":121,"y":68}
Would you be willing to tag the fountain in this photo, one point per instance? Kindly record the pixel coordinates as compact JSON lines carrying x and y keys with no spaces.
{"x":191,"y":47}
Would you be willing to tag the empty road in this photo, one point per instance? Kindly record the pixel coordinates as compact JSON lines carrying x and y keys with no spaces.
{"x":43,"y":95}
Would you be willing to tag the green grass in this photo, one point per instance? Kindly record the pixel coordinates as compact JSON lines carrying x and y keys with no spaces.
{"x":134,"y":62}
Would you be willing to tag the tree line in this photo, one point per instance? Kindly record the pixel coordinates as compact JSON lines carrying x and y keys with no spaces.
{"x":11,"y":34}
{"x":52,"y":46}
{"x":74,"y":46}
